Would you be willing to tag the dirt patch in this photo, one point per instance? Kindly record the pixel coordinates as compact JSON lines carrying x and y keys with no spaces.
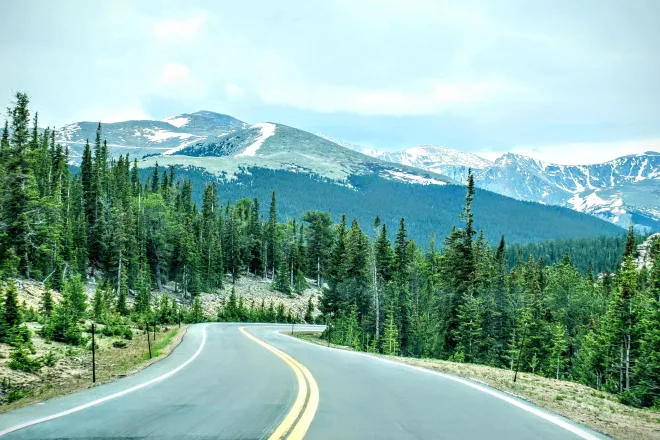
{"x":252,"y":288}
{"x":72,"y":371}
{"x":595,"y":409}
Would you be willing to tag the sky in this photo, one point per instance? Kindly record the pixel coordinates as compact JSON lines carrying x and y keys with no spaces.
{"x":563,"y":81}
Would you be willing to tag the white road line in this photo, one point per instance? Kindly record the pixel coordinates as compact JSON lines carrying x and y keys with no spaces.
{"x":497,"y":394}
{"x":112,"y":396}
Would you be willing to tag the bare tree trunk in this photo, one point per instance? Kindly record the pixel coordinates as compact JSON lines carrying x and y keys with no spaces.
{"x":621,"y":366}
{"x":627,"y":339}
{"x":119,"y":274}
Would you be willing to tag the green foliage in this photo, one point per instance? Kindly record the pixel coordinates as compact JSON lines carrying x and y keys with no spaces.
{"x":119,"y":343}
{"x":21,"y":360}
{"x":64,"y":326}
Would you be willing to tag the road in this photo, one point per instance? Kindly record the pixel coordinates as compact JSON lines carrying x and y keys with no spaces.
{"x":224,"y":382}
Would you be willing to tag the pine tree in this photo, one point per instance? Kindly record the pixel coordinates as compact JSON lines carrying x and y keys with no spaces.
{"x":154,"y":179}
{"x":390,"y":343}
{"x":99,"y":310}
{"x":647,"y":367}
{"x":46,"y":306}
{"x":309,"y":313}
{"x":11,"y":316}
{"x":558,"y":360}
{"x":271,"y":236}
{"x":19,"y":189}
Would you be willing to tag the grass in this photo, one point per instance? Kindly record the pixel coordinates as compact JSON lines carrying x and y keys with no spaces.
{"x":595,"y":409}
{"x":159,"y":346}
{"x":72,"y":371}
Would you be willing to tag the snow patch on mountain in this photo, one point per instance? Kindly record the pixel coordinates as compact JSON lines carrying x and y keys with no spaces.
{"x":157,"y":135}
{"x":411,"y":178}
{"x":177,"y":121}
{"x":267,"y":130}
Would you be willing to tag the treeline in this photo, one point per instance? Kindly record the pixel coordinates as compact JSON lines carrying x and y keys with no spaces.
{"x":457,"y":300}
{"x":461,"y":303}
{"x":590,"y":254}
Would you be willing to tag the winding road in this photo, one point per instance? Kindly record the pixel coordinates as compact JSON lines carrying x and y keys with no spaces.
{"x":251,"y":381}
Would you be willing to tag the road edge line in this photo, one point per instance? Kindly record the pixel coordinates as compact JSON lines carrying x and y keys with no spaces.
{"x":111,"y":396}
{"x":555,"y":419}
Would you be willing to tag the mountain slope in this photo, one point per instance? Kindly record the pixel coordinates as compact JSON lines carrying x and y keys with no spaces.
{"x":309,"y":172}
{"x":622,"y":190}
{"x":143,"y":137}
{"x":277,"y":146}
{"x":435,"y":158}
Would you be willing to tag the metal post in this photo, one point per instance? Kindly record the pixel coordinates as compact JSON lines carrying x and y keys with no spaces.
{"x":148,"y":341}
{"x":179,"y":318}
{"x":93,"y":355}
{"x":292,"y":324}
{"x":522,"y":345}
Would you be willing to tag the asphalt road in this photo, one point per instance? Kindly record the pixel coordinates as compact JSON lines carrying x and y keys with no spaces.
{"x":221,"y":384}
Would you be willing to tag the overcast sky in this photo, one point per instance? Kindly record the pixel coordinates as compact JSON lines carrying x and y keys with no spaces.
{"x":564,"y":81}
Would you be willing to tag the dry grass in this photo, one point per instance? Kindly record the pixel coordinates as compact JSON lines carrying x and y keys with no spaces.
{"x":597,"y":410}
{"x":72,"y":372}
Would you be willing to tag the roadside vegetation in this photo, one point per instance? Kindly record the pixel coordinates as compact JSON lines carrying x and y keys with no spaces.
{"x":598,"y":410}
{"x":155,"y":247}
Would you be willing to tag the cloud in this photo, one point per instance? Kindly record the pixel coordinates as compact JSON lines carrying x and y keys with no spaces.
{"x":174,"y":74}
{"x":579,"y":153}
{"x":173,"y":30}
{"x":234,"y":91}
{"x":436,"y":97}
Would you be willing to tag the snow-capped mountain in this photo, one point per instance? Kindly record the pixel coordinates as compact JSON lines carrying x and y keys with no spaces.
{"x":279,"y":147}
{"x":144,"y":137}
{"x":436,"y":158}
{"x":623,"y":190}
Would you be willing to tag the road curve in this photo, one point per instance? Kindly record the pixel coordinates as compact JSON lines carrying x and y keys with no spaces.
{"x":221,"y":384}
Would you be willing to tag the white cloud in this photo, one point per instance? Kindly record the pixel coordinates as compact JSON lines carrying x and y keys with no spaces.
{"x":436,"y":97}
{"x":579,"y":153}
{"x":173,"y":30}
{"x":174,"y":74}
{"x":234,"y":91}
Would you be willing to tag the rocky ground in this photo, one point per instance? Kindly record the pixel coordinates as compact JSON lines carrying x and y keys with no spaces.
{"x":252,"y":288}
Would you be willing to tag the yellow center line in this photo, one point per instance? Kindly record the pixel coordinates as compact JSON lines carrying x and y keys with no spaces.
{"x":298,"y":431}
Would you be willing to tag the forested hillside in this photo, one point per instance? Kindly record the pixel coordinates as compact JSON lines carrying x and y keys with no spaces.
{"x":428,"y":209}
{"x":591,"y":254}
{"x":454,"y":300}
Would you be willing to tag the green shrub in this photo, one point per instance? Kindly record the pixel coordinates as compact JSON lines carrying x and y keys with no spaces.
{"x":119,"y":344}
{"x":628,"y":398}
{"x":20,"y":360}
{"x":127,"y":333}
{"x":16,"y":394}
{"x":49,"y":359}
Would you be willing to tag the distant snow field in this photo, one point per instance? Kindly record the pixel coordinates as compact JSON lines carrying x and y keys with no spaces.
{"x":177,"y":121}
{"x":412,"y":178}
{"x":267,"y":130}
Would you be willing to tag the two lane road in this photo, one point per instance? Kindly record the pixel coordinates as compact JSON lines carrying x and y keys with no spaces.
{"x":220,"y":383}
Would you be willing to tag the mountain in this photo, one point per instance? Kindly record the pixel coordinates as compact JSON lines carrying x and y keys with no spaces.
{"x":144,"y":137}
{"x":311,"y":172}
{"x":280,"y":147}
{"x":621,"y":191}
{"x":436,"y":158}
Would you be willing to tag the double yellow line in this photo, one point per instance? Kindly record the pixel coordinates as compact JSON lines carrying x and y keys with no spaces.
{"x":300,"y":416}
